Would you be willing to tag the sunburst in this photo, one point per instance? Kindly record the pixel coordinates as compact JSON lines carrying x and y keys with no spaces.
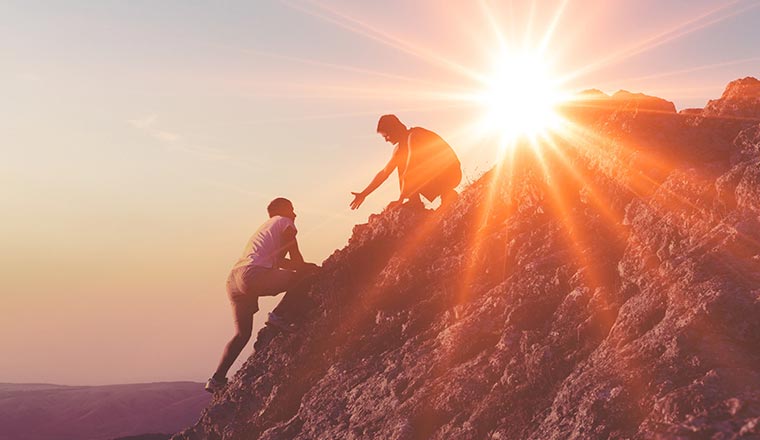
{"x":520,"y":97}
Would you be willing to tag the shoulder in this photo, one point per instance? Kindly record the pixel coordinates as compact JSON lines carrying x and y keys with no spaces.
{"x":283,"y":223}
{"x":417,"y":134}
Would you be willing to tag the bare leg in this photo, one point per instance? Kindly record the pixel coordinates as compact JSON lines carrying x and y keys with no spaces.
{"x":267,"y":283}
{"x":243,"y":330}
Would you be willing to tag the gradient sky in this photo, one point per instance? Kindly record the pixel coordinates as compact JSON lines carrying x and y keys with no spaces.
{"x":141,"y":142}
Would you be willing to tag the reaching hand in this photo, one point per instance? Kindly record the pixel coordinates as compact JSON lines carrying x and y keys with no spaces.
{"x":358,"y":199}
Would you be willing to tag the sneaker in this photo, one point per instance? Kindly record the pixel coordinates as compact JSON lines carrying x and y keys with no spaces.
{"x":278,"y":322}
{"x":213,"y":385}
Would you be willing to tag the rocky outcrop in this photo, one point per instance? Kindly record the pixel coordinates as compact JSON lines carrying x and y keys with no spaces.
{"x":605,"y":285}
{"x":741,"y":99}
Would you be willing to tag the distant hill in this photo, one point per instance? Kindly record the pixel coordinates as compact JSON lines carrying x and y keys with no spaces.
{"x":146,"y":437}
{"x":47,"y":412}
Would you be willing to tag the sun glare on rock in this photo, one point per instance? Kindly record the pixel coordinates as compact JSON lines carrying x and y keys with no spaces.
{"x":520,"y":98}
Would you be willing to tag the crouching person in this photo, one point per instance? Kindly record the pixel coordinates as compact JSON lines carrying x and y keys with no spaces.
{"x":263,"y":270}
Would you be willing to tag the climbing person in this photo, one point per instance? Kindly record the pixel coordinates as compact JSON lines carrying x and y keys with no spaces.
{"x":262,"y":270}
{"x":426,"y":165}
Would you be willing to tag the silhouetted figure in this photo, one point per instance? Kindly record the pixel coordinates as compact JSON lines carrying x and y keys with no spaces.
{"x":426,"y":165}
{"x":262,"y":270}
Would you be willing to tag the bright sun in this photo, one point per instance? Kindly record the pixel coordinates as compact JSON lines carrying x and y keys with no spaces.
{"x":520,"y":98}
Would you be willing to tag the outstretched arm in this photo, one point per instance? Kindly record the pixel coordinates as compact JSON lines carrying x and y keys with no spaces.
{"x":376,"y":182}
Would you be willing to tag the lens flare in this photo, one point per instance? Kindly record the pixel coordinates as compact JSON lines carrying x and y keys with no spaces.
{"x":520,"y":98}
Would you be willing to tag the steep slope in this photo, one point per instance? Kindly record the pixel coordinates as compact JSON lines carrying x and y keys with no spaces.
{"x":603,"y":285}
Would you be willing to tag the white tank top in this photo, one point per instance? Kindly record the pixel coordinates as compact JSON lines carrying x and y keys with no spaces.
{"x":265,"y":247}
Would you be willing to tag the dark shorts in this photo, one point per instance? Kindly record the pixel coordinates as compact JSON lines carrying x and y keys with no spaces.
{"x":246,"y":284}
{"x":446,"y":180}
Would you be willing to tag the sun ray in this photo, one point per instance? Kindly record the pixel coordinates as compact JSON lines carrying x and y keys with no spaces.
{"x":661,"y":278}
{"x":340,"y":115}
{"x":343,"y":67}
{"x":688,"y":27}
{"x":364,"y":29}
{"x":358,"y":92}
{"x":493,"y":24}
{"x":680,"y":71}
{"x":576,"y":238}
{"x":529,"y":24}
{"x":347,"y":68}
{"x":593,"y":195}
{"x":474,"y":237}
{"x":641,"y":183}
{"x":549,"y":34}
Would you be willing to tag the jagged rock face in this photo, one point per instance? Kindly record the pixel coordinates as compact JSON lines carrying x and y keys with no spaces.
{"x":741,"y":99}
{"x":574,"y":296}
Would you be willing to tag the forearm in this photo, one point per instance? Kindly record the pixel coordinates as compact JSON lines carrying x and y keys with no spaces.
{"x":295,"y":262}
{"x":375,"y":183}
{"x":295,"y":255}
{"x":290,"y":264}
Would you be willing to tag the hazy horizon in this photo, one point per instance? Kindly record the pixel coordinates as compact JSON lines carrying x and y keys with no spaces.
{"x":143,"y":142}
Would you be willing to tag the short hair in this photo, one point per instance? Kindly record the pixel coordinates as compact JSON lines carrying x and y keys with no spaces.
{"x":277,"y":205}
{"x":388,"y":123}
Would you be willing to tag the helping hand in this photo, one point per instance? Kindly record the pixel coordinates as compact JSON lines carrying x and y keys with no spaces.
{"x":358,"y":199}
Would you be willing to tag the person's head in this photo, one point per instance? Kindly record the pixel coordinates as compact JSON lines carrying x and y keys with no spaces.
{"x":281,"y":206}
{"x":391,"y":129}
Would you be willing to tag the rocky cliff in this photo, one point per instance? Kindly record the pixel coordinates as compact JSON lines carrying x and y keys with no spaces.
{"x":604,"y":283}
